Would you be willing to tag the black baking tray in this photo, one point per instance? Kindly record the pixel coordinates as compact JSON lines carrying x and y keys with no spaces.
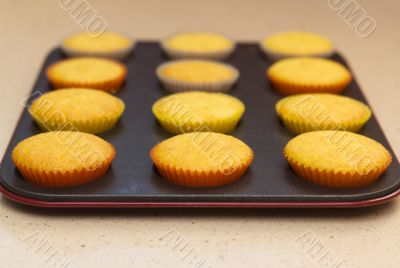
{"x":133,"y":178}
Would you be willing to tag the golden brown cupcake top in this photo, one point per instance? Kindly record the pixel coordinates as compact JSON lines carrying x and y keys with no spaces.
{"x":314,"y":71}
{"x":298,"y":44}
{"x":202,"y":151}
{"x":103,"y":43}
{"x":337,"y":151}
{"x":87,"y":72}
{"x":308,"y":75}
{"x":320,"y":111}
{"x":63,"y":151}
{"x":198,"y":42}
{"x":86,"y":69}
{"x":81,"y":109}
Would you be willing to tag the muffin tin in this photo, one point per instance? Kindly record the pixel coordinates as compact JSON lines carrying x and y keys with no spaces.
{"x":133,"y":181}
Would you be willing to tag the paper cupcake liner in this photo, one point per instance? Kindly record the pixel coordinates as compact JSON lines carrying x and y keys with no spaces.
{"x":182,"y":86}
{"x":222,"y":54}
{"x":178,"y":127}
{"x":195,"y":178}
{"x":336,"y":179}
{"x":119,"y":54}
{"x":275,"y":55}
{"x":286,"y":87}
{"x":298,"y":127}
{"x":59,"y":179}
{"x":88,"y":126}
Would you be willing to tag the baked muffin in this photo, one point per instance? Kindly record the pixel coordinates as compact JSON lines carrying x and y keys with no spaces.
{"x":77,"y":109}
{"x":198,"y":45}
{"x":296,"y":44}
{"x":63,"y":158}
{"x":198,"y":112}
{"x":87,"y":72}
{"x":202,"y":159}
{"x":337,"y":158}
{"x":197,"y":75}
{"x":321,"y":111}
{"x":107,"y":45}
{"x":308,"y":75}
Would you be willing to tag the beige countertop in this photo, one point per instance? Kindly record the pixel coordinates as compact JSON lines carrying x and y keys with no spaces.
{"x":368,"y":237}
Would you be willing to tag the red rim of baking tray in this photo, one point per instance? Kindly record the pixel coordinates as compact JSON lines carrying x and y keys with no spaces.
{"x":149,"y":204}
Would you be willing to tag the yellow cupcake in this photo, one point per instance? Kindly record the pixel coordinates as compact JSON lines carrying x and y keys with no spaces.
{"x":77,"y":109}
{"x":308,"y":75}
{"x":294,"y":44}
{"x":310,"y":112}
{"x":63,"y":158}
{"x":198,"y":45}
{"x":197,"y":75}
{"x":198,"y":112}
{"x":337,"y":158}
{"x":85,"y":72}
{"x":202,"y":159}
{"x":108,"y":45}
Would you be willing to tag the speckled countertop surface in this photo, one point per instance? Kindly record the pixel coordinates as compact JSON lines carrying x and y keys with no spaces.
{"x":368,"y":237}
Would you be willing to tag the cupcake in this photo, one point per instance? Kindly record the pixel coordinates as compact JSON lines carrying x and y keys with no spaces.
{"x":77,"y":109}
{"x":63,"y":158}
{"x":296,"y":44}
{"x":308,"y":75}
{"x":198,"y":45}
{"x":321,"y":111}
{"x":337,"y":158}
{"x":198,"y":112}
{"x":197,"y":75}
{"x":107,"y":45}
{"x":85,"y":72}
{"x":202,"y":159}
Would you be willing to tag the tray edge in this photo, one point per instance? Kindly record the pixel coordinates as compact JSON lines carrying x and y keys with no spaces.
{"x":132,"y":204}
